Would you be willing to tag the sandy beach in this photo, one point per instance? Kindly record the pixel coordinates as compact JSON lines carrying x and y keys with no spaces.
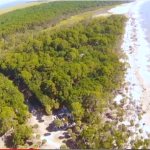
{"x":137,"y":49}
{"x":19,"y":6}
{"x":137,"y":80}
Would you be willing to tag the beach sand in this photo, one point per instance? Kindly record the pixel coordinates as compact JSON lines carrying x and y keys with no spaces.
{"x":53,"y":139}
{"x":138,"y":75}
{"x":20,"y":6}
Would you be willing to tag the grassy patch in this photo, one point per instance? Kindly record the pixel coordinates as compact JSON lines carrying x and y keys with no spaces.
{"x":78,"y":18}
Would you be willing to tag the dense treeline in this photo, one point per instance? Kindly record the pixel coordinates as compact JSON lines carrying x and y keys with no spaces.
{"x":65,"y":66}
{"x":44,"y":15}
{"x":79,"y":67}
{"x":13,"y":111}
{"x":34,"y":69}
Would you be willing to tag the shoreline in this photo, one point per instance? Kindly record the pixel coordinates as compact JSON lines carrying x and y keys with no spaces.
{"x":20,"y":6}
{"x":136,"y":48}
{"x":53,"y":140}
{"x":137,"y":74}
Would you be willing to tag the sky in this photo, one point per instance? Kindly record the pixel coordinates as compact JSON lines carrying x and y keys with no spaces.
{"x":3,"y":2}
{"x":8,"y":3}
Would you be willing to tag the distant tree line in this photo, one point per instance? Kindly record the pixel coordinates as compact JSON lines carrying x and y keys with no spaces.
{"x":44,"y":15}
{"x":76,"y":66}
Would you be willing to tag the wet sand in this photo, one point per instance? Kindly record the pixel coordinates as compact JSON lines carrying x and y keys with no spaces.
{"x":137,"y":49}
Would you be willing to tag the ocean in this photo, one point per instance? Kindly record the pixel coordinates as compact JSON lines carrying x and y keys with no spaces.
{"x":145,"y":15}
{"x":8,"y":3}
{"x":137,"y":35}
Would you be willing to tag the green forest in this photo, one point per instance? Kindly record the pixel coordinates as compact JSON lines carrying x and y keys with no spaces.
{"x":45,"y":15}
{"x":77,"y":67}
{"x":69,"y":64}
{"x":12,"y":109}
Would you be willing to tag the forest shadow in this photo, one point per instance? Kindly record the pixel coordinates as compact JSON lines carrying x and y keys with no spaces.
{"x":36,"y":108}
{"x":51,"y":127}
{"x":70,"y":144}
{"x":47,"y":134}
{"x":9,"y":141}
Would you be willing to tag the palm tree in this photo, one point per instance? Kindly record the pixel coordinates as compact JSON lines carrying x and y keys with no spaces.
{"x":36,"y":127}
{"x":44,"y":141}
{"x":35,"y":146}
{"x":73,"y":135}
{"x":26,"y":146}
{"x":58,"y":123}
{"x":140,"y":130}
{"x":38,"y":136}
{"x":69,"y":132}
{"x":39,"y":143}
{"x":64,"y":147}
{"x":137,"y":126}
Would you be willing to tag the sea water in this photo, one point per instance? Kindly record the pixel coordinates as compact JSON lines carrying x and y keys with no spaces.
{"x":8,"y":3}
{"x":139,"y":11}
{"x":145,"y":15}
{"x":4,"y":5}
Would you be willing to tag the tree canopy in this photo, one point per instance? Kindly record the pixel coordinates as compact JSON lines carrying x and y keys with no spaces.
{"x":21,"y":134}
{"x":76,"y":66}
{"x":64,"y":70}
{"x":12,"y":108}
{"x":45,"y":15}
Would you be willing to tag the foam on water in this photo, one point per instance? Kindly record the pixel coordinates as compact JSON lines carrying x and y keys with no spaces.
{"x":143,"y":50}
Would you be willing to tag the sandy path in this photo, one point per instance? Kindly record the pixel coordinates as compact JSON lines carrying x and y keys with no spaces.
{"x":138,"y":74}
{"x":2,"y":145}
{"x":53,"y":140}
